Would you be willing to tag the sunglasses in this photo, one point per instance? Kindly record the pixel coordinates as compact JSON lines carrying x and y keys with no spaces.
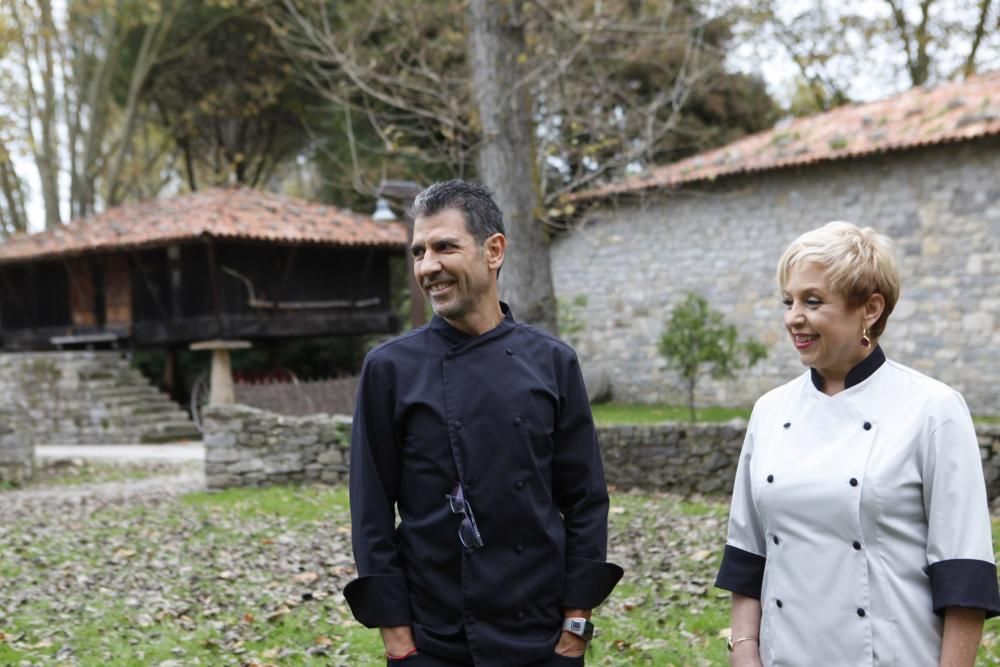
{"x":468,"y":531}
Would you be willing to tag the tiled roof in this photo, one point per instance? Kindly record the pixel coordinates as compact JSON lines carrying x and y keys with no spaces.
{"x":950,"y":112}
{"x":234,"y":213}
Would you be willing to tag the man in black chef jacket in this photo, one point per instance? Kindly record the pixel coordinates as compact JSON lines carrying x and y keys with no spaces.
{"x":476,"y":430}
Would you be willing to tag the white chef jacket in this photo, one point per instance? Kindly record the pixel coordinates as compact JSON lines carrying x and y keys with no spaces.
{"x":857,"y":518}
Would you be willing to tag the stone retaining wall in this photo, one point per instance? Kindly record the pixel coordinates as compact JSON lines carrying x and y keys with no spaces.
{"x":17,"y":451}
{"x":249,"y":447}
{"x":245,"y":446}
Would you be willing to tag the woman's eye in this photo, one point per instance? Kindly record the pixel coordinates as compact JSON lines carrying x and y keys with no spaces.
{"x":813,"y":303}
{"x":787,"y":303}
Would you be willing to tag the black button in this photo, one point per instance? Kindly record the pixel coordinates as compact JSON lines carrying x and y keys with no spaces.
{"x":787,"y":424}
{"x":770,"y":478}
{"x":519,"y":484}
{"x":857,"y":545}
{"x":457,"y":425}
{"x":518,"y":548}
{"x":775,"y":539}
{"x":518,"y":421}
{"x":861,"y":612}
{"x":470,"y":620}
{"x":868,"y":426}
{"x":779,"y":603}
{"x":449,"y":355}
{"x":854,"y":482}
{"x":520,"y":615}
{"x":510,"y":352}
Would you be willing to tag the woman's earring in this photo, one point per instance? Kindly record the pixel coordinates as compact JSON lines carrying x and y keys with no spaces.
{"x":866,"y":337}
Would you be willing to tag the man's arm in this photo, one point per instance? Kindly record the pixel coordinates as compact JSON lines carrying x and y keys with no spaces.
{"x":581,"y":493}
{"x":379,"y":596}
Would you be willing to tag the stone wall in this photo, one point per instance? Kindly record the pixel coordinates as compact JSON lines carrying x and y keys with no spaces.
{"x":89,"y":397}
{"x":245,"y":446}
{"x":635,"y":260}
{"x":17,"y":451}
{"x":249,"y":447}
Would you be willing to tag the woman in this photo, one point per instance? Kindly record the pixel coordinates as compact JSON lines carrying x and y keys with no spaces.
{"x":859,"y":532}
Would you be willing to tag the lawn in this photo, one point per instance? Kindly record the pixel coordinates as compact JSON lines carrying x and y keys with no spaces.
{"x":254,"y":578}
{"x":628,"y":413}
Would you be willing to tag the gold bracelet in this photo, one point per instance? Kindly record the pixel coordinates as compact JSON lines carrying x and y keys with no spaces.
{"x":731,"y":643}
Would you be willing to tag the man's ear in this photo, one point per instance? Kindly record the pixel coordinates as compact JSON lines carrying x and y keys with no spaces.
{"x":873,"y":309}
{"x":495,"y":247}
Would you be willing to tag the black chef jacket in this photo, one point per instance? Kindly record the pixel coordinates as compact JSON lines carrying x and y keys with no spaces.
{"x":506,"y":413}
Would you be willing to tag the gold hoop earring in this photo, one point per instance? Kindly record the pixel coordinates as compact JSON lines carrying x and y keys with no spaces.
{"x":866,"y":337}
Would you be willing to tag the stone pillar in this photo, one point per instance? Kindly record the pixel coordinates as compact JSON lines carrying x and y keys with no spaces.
{"x":221,"y":387}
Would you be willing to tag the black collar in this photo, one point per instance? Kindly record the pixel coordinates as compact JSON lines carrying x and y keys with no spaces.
{"x":454,"y":335}
{"x":859,"y":373}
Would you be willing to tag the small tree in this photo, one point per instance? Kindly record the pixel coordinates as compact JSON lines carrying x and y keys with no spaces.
{"x":698,"y":341}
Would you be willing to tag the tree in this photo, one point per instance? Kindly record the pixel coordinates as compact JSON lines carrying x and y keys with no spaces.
{"x":580,"y":92}
{"x":836,"y":45}
{"x":698,"y":341}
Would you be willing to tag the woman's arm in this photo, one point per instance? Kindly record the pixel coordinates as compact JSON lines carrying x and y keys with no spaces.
{"x":745,"y":622}
{"x":963,"y":629}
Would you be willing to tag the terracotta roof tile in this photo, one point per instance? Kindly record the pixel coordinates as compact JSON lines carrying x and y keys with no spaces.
{"x":219,"y":213}
{"x":950,"y":112}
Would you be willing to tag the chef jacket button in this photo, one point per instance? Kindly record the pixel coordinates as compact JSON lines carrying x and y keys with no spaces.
{"x":457,"y":425}
{"x":857,"y":545}
{"x":518,"y":548}
{"x":519,"y":484}
{"x":779,"y":603}
{"x":470,"y":619}
{"x":518,"y":421}
{"x":520,"y":615}
{"x":861,"y":612}
{"x":449,"y":355}
{"x":787,"y":425}
{"x":854,"y":481}
{"x":868,"y":426}
{"x":776,"y":539}
{"x":510,"y":352}
{"x":770,"y":479}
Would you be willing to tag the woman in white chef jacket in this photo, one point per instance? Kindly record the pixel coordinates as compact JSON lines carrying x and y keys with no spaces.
{"x":859,"y":532}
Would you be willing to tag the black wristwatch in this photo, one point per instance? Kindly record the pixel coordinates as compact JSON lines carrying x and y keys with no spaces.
{"x":579,"y":626}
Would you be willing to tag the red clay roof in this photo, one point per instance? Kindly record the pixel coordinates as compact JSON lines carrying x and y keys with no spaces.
{"x":234,"y":213}
{"x":951,"y":112}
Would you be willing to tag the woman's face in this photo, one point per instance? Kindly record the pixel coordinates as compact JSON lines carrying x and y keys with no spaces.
{"x":826,"y":333}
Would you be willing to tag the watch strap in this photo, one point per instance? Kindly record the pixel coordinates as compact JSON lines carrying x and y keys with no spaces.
{"x":579,"y":626}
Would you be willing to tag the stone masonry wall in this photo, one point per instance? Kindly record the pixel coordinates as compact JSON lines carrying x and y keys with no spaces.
{"x":635,"y":260}
{"x":17,"y":451}
{"x":249,"y":447}
{"x":245,"y":446}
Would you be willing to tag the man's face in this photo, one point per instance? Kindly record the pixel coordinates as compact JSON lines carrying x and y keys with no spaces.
{"x":452,"y":269}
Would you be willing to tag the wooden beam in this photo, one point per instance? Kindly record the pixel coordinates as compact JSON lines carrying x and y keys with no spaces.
{"x":149,"y":286}
{"x":214,"y":277}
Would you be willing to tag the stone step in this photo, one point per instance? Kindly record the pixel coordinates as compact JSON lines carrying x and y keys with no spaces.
{"x":171,"y":432}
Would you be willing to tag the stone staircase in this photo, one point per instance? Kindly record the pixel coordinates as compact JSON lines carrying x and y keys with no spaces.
{"x":89,"y":398}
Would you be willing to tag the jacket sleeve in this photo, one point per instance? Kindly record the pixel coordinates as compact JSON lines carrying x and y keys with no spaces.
{"x":742,"y":569}
{"x":960,"y":557}
{"x":581,"y":493}
{"x":379,"y":596}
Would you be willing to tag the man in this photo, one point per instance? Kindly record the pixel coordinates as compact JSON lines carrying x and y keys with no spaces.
{"x":477,"y":430}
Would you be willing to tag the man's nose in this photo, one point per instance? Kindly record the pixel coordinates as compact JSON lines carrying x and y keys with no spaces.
{"x":427,"y":265}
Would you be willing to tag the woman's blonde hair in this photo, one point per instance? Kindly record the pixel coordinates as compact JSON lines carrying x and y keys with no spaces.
{"x":858,"y":262}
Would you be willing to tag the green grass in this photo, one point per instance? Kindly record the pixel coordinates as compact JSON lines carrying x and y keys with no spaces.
{"x":209,"y":580}
{"x":622,"y":413}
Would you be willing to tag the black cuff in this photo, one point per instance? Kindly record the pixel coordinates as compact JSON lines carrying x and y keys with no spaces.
{"x":588,"y":582}
{"x":380,"y":600}
{"x":741,"y":572}
{"x":964,"y":582}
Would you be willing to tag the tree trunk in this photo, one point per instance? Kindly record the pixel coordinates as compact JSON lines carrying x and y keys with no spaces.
{"x":507,"y":155}
{"x":48,"y":153}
